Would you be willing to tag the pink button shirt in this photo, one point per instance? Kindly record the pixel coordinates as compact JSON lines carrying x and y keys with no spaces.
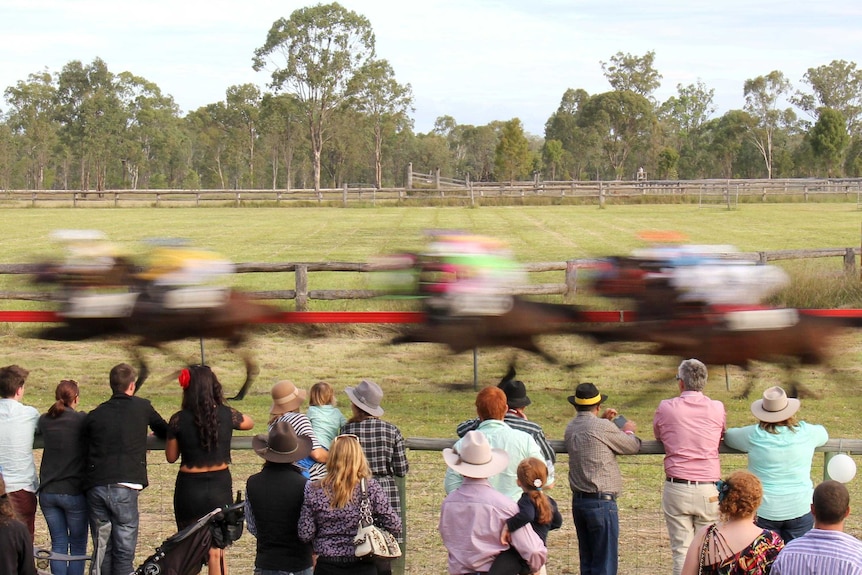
{"x":690,"y":427}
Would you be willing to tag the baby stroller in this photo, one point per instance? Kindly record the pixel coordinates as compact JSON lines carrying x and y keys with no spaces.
{"x":187,"y":551}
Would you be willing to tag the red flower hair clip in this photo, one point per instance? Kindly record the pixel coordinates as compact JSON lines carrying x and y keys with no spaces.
{"x":184,"y":378}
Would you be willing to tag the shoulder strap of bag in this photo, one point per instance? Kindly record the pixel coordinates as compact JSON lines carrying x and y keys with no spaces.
{"x":364,"y":506}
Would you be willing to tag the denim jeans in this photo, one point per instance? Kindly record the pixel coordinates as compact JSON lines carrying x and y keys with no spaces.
{"x":66,"y":516}
{"x":308,"y":571}
{"x":114,"y":525}
{"x":597,"y":523}
{"x":789,"y":528}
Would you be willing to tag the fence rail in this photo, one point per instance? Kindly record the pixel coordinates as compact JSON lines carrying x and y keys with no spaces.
{"x":423,"y":188}
{"x":301,"y":293}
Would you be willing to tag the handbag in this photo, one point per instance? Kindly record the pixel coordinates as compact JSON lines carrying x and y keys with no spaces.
{"x":371,"y":541}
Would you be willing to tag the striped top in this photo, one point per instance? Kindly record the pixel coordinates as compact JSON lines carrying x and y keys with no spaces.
{"x":820,"y":552}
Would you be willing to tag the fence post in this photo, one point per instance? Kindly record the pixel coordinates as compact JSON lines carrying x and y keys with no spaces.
{"x":762,"y":258}
{"x":571,"y":281}
{"x":849,"y":262}
{"x":410,"y":175}
{"x":301,"y":287}
{"x":437,"y":178}
{"x":344,"y":195}
{"x":601,"y":195}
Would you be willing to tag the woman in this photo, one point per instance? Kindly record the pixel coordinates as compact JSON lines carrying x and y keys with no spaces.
{"x":330,"y":513}
{"x":61,"y":475}
{"x":780,"y":450}
{"x":201,"y":434}
{"x":382,"y":443}
{"x":286,"y":401}
{"x":734,"y":545}
{"x":15,"y":540}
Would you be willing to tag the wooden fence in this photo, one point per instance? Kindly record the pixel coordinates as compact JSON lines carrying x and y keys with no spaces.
{"x":432,"y":188}
{"x":567,"y":288}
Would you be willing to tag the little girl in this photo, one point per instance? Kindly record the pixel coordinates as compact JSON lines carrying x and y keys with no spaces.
{"x":326,"y":419}
{"x":534,"y":507}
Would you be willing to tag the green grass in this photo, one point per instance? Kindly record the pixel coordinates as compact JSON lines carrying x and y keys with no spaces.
{"x":427,"y":391}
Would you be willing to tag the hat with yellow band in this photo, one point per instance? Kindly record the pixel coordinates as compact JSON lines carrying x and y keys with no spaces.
{"x":587,"y":394}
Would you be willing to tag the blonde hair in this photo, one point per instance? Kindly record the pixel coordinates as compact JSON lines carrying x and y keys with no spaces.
{"x":345,"y":466}
{"x":321,"y":393}
{"x":533,"y":476}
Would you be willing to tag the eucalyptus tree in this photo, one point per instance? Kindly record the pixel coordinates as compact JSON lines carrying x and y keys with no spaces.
{"x":31,"y":118}
{"x":512,"y":157}
{"x":281,"y":127}
{"x":385,"y":103}
{"x":92,"y":119}
{"x":314,"y":55}
{"x":726,"y":139}
{"x":763,"y":95}
{"x":829,"y":139}
{"x":8,"y":157}
{"x":622,"y":123}
{"x":837,"y":85}
{"x":580,"y":147}
{"x":682,"y":118}
{"x":627,"y":72}
{"x":242,"y":110}
{"x":552,"y":154}
{"x":209,"y":153}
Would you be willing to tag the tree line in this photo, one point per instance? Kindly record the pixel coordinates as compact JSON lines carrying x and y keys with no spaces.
{"x":334,"y":113}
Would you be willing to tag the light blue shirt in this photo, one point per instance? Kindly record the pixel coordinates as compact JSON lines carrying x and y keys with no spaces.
{"x":17,"y":428}
{"x":782,"y":462}
{"x":517,"y":444}
{"x":326,"y":421}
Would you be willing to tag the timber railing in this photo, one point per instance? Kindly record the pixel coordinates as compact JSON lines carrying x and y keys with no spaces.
{"x":567,"y":288}
{"x":430,"y":188}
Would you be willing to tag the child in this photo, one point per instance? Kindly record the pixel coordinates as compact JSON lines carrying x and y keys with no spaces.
{"x":15,"y":541}
{"x":326,"y":419}
{"x":534,"y":506}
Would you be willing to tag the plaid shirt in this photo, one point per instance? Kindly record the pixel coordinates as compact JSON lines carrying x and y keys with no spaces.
{"x":593,"y":444}
{"x":383,"y":445}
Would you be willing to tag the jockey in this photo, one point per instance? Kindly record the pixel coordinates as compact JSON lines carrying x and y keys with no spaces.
{"x":89,"y":254}
{"x":182,"y":278}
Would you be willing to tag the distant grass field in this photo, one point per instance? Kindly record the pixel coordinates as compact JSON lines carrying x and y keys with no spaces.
{"x":427,"y":390}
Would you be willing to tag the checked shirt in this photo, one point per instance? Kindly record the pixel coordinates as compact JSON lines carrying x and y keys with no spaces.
{"x":383,"y":445}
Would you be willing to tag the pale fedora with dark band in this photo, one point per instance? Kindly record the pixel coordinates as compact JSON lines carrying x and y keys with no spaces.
{"x":366,"y":396}
{"x":286,"y":397}
{"x":474,"y":457}
{"x":775,"y":406}
{"x":281,"y":444}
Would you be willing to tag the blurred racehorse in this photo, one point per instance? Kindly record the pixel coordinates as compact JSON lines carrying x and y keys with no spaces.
{"x":133,"y":312}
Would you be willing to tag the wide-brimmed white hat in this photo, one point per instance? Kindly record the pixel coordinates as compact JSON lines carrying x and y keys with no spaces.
{"x":775,"y":406}
{"x":474,"y":457}
{"x":366,"y":396}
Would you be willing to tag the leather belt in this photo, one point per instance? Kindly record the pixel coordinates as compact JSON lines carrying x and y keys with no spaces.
{"x":600,"y":495}
{"x":687,"y":482}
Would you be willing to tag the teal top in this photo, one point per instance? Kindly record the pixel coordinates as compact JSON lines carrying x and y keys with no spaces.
{"x":326,"y":421}
{"x":782,"y":462}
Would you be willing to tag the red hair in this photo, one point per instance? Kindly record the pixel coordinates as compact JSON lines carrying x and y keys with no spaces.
{"x":491,"y":403}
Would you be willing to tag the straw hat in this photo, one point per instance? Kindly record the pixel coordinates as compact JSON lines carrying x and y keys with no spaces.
{"x":775,"y":406}
{"x":281,"y":444}
{"x":474,"y":457}
{"x":286,"y":397}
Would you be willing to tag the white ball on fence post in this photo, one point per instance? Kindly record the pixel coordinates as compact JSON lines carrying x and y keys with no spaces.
{"x":841,"y":468}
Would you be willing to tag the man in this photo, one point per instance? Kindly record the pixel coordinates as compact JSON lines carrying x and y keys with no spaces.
{"x":594,"y":477}
{"x":473,"y":516}
{"x":274,"y":500}
{"x":17,"y":427}
{"x":517,"y":400}
{"x":116,"y":436}
{"x":690,"y":427}
{"x":491,"y":407}
{"x":826,"y":549}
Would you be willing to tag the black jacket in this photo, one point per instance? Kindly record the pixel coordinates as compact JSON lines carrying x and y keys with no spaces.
{"x":116,"y":437}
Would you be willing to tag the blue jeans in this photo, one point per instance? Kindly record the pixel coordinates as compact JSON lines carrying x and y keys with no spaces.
{"x":597,"y":523}
{"x":308,"y":571}
{"x":788,"y":528}
{"x":114,"y":525}
{"x":66,"y":516}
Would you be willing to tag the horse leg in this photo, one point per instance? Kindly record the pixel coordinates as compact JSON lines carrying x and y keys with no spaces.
{"x":251,"y":371}
{"x":749,"y":381}
{"x":143,"y":369}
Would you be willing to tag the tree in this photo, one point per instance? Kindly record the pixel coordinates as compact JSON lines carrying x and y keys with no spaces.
{"x":579,"y":146}
{"x":512,"y":157}
{"x":762,"y":95}
{"x":552,"y":153}
{"x":385,"y":102}
{"x":633,"y":73}
{"x":837,"y":85}
{"x":683,"y":118}
{"x":281,"y":122}
{"x":314,"y":56}
{"x":829,"y":138}
{"x":242,"y":104}
{"x":31,"y":117}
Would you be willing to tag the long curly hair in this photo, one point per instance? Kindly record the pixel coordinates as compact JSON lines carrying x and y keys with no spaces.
{"x":202,"y":398}
{"x":742,"y":495}
{"x":533,"y":475}
{"x":345,"y":467}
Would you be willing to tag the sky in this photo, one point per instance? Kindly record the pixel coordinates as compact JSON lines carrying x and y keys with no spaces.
{"x":477,"y":61}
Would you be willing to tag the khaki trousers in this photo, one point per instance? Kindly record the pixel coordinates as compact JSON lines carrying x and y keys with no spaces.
{"x":686,"y":509}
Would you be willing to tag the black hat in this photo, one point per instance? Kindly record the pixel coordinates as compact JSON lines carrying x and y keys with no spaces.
{"x":587,"y":394}
{"x":281,"y":444}
{"x":516,"y":393}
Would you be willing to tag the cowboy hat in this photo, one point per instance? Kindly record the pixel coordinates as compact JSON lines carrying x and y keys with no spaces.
{"x":775,"y":406}
{"x":587,"y":394}
{"x":366,"y":396}
{"x":474,"y":457}
{"x":281,"y":444}
{"x":286,"y":397}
